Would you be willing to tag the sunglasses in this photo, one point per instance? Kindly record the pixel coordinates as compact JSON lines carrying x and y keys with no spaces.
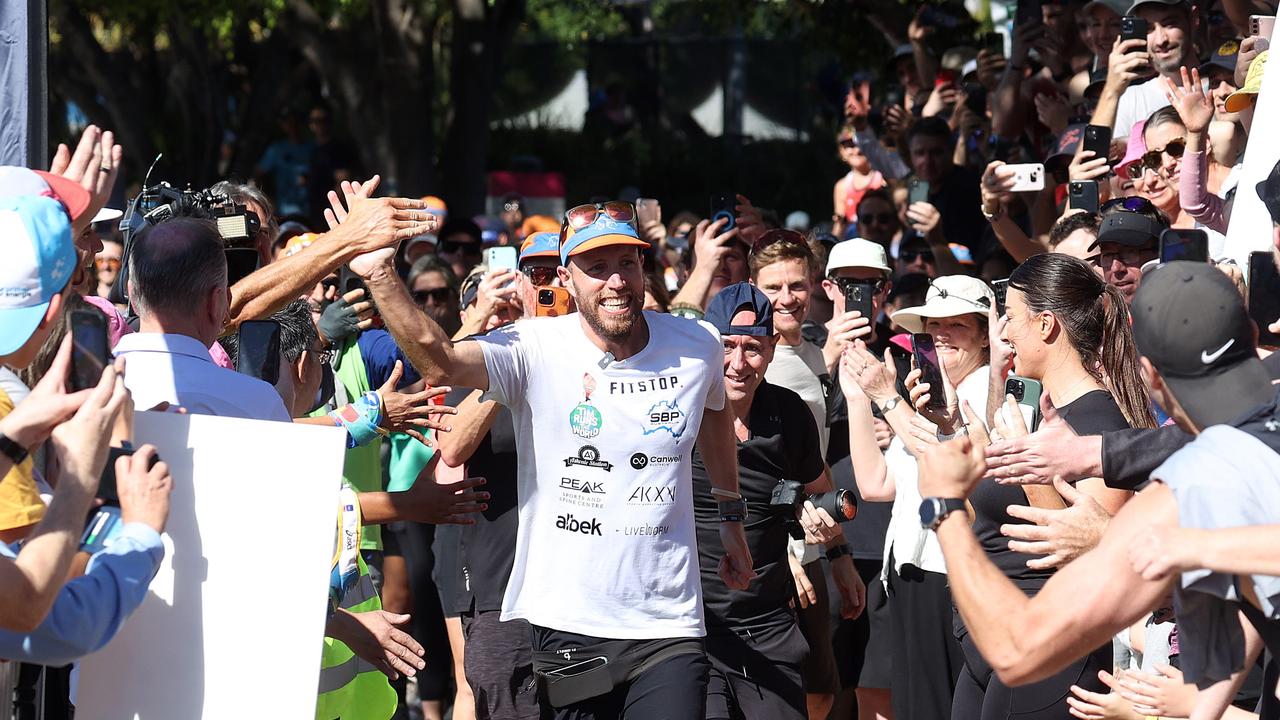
{"x":539,"y":275}
{"x":1131,"y":204}
{"x":583,"y":216}
{"x":107,"y":263}
{"x":773,"y":237}
{"x":845,"y":283}
{"x":439,"y":295}
{"x":910,"y":256}
{"x":512,"y":206}
{"x":876,"y":219}
{"x":848,"y":143}
{"x":1155,"y":158}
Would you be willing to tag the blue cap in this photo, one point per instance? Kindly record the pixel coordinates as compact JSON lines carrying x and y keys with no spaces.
{"x":543,"y":244}
{"x":604,"y":231}
{"x":734,"y":299}
{"x":39,"y":260}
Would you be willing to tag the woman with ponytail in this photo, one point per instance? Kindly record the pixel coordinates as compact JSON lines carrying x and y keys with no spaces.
{"x":1070,"y":331}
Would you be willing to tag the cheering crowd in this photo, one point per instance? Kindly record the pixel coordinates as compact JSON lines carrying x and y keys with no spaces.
{"x":975,"y":447}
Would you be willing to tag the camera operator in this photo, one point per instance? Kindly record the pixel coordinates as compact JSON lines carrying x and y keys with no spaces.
{"x":754,"y":642}
{"x":256,"y":202}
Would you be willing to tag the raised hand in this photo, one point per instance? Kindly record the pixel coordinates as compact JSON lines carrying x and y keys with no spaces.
{"x":1189,"y":100}
{"x":1128,"y":63}
{"x":411,"y":413}
{"x":375,"y":226}
{"x":95,"y":165}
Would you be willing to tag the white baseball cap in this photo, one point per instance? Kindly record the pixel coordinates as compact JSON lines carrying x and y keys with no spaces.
{"x":948,"y":296}
{"x":40,"y":258}
{"x":858,"y":253}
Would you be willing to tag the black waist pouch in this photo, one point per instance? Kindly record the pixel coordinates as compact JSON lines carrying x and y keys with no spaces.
{"x":583,"y":671}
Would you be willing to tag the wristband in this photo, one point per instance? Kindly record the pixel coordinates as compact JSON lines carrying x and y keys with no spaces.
{"x":726,"y":494}
{"x":962,"y":430}
{"x":733,"y":510}
{"x":361,"y":419}
{"x":837,"y":552}
{"x":12,"y":450}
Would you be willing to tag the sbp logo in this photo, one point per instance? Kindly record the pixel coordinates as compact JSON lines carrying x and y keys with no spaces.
{"x":574,"y":525}
{"x":665,"y":415}
{"x":639,"y":461}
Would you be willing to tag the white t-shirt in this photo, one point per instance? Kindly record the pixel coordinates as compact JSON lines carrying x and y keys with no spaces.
{"x":1137,"y":103}
{"x":606,"y":543}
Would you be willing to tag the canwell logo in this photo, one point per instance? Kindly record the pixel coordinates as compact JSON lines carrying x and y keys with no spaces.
{"x":640,"y":461}
{"x":586,"y":527}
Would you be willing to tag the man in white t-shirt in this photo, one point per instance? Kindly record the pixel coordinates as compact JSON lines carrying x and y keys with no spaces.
{"x":607,"y":404}
{"x":1170,"y":45}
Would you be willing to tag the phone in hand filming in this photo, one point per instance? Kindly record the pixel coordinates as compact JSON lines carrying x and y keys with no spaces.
{"x":89,"y":352}
{"x":259,"y":350}
{"x":926,"y":356}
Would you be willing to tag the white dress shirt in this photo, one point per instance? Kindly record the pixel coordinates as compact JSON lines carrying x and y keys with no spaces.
{"x":177,"y":369}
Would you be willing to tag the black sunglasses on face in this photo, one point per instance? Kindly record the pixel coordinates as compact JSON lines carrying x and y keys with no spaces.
{"x":910,"y":256}
{"x":438,"y":295}
{"x":845,"y":283}
{"x":539,"y":275}
{"x":876,"y":219}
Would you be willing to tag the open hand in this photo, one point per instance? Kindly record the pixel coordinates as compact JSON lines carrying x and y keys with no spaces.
{"x":94,"y":166}
{"x":1060,"y":536}
{"x":376,"y":637}
{"x":1189,"y":100}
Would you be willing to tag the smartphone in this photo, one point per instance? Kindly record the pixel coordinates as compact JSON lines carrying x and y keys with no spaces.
{"x":102,"y":528}
{"x":1083,"y":195}
{"x":259,"y":354}
{"x":1184,"y":244}
{"x":107,"y":480}
{"x":1264,"y":295}
{"x":1133,"y":28}
{"x":994,"y":42}
{"x":1262,"y":25}
{"x":857,"y":296}
{"x":1098,"y":139}
{"x":724,"y":205}
{"x":348,"y":281}
{"x":552,"y":302}
{"x":503,"y":257}
{"x":894,"y":96}
{"x":945,"y":77}
{"x":1026,"y":392}
{"x":648,"y":211}
{"x":926,"y":356}
{"x":1001,"y":290}
{"x":1027,"y":177}
{"x":918,"y":191}
{"x":89,"y":352}
{"x":241,"y":262}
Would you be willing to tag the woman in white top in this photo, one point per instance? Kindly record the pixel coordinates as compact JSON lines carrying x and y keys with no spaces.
{"x":928,"y":658}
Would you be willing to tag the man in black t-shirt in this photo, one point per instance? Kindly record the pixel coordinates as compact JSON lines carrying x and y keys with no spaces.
{"x":753,"y":642}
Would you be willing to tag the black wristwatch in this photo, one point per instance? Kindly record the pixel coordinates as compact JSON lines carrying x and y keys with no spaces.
{"x":839,"y":551}
{"x":733,"y":510}
{"x":12,"y":450}
{"x":934,"y":510}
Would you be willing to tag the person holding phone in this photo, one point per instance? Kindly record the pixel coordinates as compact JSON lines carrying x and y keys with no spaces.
{"x":861,"y":178}
{"x":951,"y":211}
{"x":1068,"y":330}
{"x":1170,"y":44}
{"x":926,"y":658}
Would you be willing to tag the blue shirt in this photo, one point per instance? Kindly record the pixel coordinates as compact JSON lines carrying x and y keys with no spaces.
{"x":90,"y":609}
{"x":380,"y":353}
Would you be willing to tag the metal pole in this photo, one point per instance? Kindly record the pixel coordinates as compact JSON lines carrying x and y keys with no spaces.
{"x":38,"y":84}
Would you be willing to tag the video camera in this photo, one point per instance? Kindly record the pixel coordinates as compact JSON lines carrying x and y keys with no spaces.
{"x":788,"y":496}
{"x":237,"y":224}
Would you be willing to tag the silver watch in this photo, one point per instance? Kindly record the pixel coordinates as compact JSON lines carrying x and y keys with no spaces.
{"x":890,"y":404}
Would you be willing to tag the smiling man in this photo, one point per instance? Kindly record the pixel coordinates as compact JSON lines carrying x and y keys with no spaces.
{"x":1170,"y":43}
{"x":1126,"y":241}
{"x":606,"y":567}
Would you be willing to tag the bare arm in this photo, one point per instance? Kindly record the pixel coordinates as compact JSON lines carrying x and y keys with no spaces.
{"x":870,"y":471}
{"x":1029,"y":639}
{"x":708,"y":251}
{"x":470,"y":425}
{"x":436,"y":358}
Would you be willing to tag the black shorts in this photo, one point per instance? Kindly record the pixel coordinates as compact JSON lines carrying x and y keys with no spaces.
{"x":672,"y":689}
{"x":819,"y":668}
{"x":498,"y":661}
{"x":864,"y":647}
{"x":756,"y":673}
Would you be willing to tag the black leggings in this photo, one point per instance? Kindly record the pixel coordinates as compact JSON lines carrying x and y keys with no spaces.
{"x":981,"y":696}
{"x":926,"y":657}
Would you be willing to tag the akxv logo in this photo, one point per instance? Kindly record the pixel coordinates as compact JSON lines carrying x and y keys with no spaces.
{"x":652,"y":495}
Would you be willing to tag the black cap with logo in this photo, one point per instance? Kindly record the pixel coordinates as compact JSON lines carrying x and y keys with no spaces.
{"x":1191,"y":323}
{"x":1269,"y":191}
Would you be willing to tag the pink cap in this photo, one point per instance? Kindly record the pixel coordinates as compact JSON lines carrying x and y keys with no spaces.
{"x":1136,"y":148}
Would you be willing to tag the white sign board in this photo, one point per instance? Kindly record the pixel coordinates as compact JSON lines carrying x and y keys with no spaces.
{"x":234,"y":622}
{"x":1250,"y":228}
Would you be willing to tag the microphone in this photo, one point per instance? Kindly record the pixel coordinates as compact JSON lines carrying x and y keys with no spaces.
{"x":604,"y":361}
